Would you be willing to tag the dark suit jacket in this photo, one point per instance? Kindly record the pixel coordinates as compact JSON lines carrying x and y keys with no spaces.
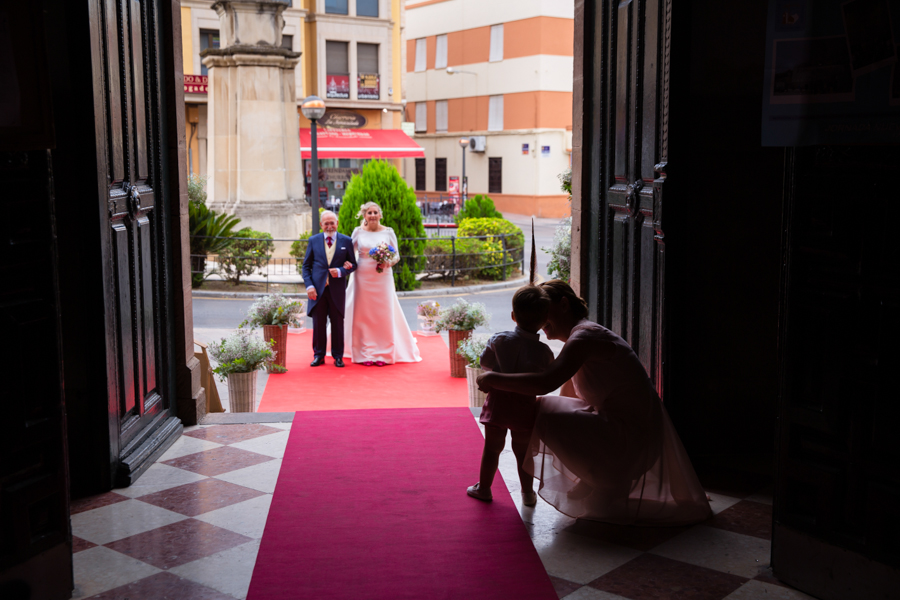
{"x":315,"y":268}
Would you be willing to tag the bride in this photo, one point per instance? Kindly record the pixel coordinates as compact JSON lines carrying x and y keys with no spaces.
{"x":375,"y":330}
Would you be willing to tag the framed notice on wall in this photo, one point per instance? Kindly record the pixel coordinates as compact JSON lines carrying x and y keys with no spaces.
{"x":368,"y":86}
{"x":337,"y":86}
{"x":831,"y":73}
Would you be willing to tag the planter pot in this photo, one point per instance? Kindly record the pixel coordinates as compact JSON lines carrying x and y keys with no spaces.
{"x":457,"y":362}
{"x":242,"y":392}
{"x":476,"y":396}
{"x":279,"y":334}
{"x":426,"y":327}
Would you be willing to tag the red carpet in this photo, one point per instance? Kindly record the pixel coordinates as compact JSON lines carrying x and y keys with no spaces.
{"x":404,"y":385}
{"x":372,"y":504}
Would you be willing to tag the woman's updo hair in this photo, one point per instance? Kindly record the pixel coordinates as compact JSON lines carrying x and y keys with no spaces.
{"x":558,"y":289}
{"x":361,"y":214}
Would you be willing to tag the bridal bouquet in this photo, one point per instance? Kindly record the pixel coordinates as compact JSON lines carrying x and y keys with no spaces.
{"x":383,"y":254}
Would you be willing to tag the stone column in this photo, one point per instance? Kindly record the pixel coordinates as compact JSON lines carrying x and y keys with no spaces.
{"x":254,"y":165}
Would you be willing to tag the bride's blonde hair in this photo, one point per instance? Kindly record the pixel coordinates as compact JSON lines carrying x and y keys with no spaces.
{"x":361,"y":214}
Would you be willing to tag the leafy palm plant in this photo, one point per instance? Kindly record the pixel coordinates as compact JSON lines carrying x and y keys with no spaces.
{"x":209,"y":229}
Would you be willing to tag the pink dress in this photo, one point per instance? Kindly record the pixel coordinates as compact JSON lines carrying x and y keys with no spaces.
{"x":618,"y":438}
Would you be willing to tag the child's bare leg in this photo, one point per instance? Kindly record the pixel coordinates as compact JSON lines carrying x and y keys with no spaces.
{"x":524,"y":460}
{"x":494,"y":440}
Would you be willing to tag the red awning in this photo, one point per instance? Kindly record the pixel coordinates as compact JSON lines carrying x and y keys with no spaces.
{"x":360,"y":143}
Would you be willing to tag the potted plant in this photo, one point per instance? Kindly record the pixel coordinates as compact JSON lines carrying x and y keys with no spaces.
{"x":459,"y":320}
{"x":427,"y":313}
{"x":471,"y":350}
{"x":275,"y":313}
{"x":240,"y":356}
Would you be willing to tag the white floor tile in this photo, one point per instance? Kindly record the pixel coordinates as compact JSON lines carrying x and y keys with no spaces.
{"x":100,"y":569}
{"x":121,"y":520}
{"x":717,"y":549}
{"x":187,"y":445}
{"x":228,"y":571}
{"x":268,"y":445}
{"x":718,"y":502}
{"x":754,"y":590}
{"x":157,"y":478}
{"x":247,"y":517}
{"x":578,"y":558}
{"x":285,"y":426}
{"x":589,"y":593}
{"x":261,"y":477}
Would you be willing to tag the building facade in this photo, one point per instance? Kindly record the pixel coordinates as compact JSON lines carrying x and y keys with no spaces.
{"x":351,"y":54}
{"x":500,"y":75}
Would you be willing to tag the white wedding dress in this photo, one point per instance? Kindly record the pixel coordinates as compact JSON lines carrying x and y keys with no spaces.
{"x":374,"y":326}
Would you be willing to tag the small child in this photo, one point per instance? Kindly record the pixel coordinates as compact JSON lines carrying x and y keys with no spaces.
{"x":519,"y":351}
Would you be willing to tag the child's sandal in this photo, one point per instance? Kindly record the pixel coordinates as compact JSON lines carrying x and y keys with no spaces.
{"x":476,"y":492}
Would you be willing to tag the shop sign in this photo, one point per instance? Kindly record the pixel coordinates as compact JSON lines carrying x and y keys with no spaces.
{"x":196,"y":84}
{"x":338,"y":86}
{"x":337,"y":173}
{"x":368,"y":86}
{"x":342,"y":119}
{"x":525,"y":149}
{"x":454,"y":188}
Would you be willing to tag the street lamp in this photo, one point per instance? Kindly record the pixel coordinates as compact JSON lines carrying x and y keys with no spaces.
{"x":463,"y":142}
{"x":313,"y":108}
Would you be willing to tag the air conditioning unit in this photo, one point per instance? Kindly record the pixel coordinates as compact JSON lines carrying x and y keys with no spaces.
{"x":477,"y":143}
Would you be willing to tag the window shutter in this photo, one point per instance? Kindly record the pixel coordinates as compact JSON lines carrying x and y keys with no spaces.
{"x":440,"y":112}
{"x":367,"y":58}
{"x":495,"y":175}
{"x":420,"y":175}
{"x":420,"y":55}
{"x":440,"y":53}
{"x":421,"y":116}
{"x":496,"y":43}
{"x":495,"y":113}
{"x":336,"y":58}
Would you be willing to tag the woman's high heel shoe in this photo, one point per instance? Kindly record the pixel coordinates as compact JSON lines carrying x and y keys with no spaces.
{"x":380,"y":363}
{"x":368,"y":363}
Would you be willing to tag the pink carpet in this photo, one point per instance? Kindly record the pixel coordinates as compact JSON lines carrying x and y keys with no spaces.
{"x":404,"y":385}
{"x":372,"y":504}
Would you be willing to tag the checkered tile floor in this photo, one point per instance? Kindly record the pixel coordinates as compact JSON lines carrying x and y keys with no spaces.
{"x":190,"y":529}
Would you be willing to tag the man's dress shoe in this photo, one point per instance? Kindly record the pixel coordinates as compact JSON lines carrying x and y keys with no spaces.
{"x":339,"y":362}
{"x":317,"y":361}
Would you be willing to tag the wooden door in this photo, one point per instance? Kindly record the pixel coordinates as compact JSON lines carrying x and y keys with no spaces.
{"x":629,"y":86}
{"x":127,"y":95}
{"x":838,"y":480}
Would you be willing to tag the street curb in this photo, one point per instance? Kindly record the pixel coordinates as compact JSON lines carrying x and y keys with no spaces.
{"x":447,"y":291}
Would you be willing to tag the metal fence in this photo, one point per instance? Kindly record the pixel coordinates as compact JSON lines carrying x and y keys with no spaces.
{"x":444,"y":257}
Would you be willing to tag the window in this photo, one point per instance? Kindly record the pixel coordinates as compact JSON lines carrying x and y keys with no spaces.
{"x":496,"y":43}
{"x":367,"y":84}
{"x":421,"y":116}
{"x":336,"y":7}
{"x":287,"y":42}
{"x":440,"y":174}
{"x":440,"y":53}
{"x":208,"y":39}
{"x":420,"y":55}
{"x":440,"y":115}
{"x":495,"y":113}
{"x":337,"y":70}
{"x":420,"y":175}
{"x":495,"y":175}
{"x":366,"y":8}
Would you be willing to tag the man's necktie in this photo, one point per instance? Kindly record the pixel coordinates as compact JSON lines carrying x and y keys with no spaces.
{"x":328,"y":240}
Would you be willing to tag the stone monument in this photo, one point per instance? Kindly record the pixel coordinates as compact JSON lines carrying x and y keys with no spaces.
{"x":254,"y":168}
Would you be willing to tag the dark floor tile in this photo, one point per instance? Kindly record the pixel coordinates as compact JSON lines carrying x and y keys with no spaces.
{"x":162,"y":586}
{"x":79,"y":544}
{"x":651,"y":577}
{"x":639,"y":538}
{"x":217,"y":461}
{"x":766,"y":575}
{"x":232,"y":434}
{"x":723,"y":479}
{"x":92,"y":502}
{"x":200,"y":497}
{"x":564,"y":587}
{"x":178,"y":543}
{"x":746,"y":517}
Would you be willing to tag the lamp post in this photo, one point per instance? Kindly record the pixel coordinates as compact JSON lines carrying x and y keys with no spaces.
{"x":463,"y":142}
{"x":313,"y":108}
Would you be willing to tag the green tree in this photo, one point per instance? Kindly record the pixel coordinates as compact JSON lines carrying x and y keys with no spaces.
{"x":209,"y":229}
{"x":381,"y":183}
{"x":479,"y":207}
{"x":243,"y":257}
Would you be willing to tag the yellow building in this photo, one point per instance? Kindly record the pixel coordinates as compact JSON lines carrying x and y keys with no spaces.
{"x":351,"y":55}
